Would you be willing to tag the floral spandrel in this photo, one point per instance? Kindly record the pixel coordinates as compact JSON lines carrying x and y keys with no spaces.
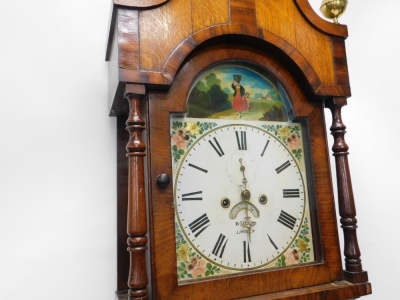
{"x":183,"y":134}
{"x":300,"y":250}
{"x":290,"y":136}
{"x":189,"y":264}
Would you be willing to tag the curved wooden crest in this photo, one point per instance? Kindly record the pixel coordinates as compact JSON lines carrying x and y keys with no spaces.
{"x":152,"y":38}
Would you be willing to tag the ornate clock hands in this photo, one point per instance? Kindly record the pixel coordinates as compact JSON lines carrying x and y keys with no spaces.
{"x":242,"y":168}
{"x":245,"y":196}
{"x":245,"y":204}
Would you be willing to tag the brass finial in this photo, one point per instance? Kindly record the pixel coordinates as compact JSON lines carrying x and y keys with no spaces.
{"x":332,"y":9}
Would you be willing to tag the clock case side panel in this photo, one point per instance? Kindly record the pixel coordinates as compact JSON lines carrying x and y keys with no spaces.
{"x":161,"y":104}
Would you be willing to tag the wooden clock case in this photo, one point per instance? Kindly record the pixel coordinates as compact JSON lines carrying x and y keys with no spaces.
{"x":156,"y":49}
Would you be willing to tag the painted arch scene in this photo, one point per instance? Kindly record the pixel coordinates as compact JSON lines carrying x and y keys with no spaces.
{"x":230,"y":91}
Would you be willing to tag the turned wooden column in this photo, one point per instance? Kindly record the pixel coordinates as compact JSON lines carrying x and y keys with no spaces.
{"x":137,"y":214}
{"x":347,"y":210}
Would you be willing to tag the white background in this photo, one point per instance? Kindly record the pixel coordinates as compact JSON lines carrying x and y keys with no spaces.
{"x":58,"y":156}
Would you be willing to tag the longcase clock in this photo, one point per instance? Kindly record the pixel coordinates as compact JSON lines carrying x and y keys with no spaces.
{"x":224,"y":181}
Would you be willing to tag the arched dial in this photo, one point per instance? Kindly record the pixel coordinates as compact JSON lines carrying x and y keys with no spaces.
{"x":239,"y":197}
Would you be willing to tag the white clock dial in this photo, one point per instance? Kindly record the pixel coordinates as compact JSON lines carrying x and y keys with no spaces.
{"x":240,"y":197}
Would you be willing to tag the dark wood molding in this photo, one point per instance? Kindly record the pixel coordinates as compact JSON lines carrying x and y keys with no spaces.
{"x":340,"y":62}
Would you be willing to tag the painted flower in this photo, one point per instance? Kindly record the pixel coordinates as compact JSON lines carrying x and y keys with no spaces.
{"x":284,"y":132}
{"x":179,"y":235}
{"x":193,"y":128}
{"x":294,"y":255}
{"x":304,"y":231}
{"x":198,"y":267}
{"x":183,"y":252}
{"x":293,"y":141}
{"x":180,"y":139}
{"x":302,"y":245}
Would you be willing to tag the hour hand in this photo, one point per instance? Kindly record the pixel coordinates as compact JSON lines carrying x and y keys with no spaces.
{"x":242,"y":168}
